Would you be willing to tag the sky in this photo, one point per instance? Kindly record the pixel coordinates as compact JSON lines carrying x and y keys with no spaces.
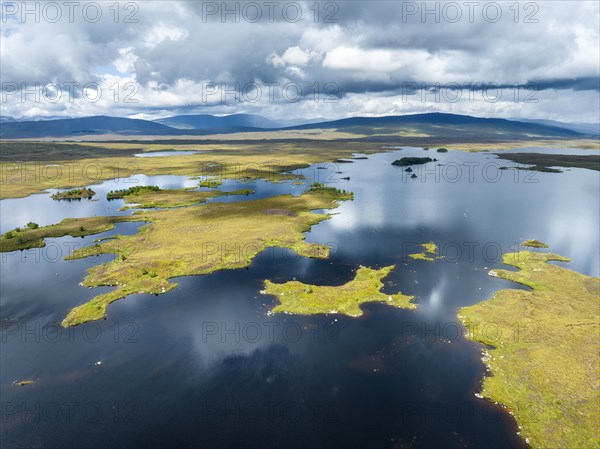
{"x":290,"y":60}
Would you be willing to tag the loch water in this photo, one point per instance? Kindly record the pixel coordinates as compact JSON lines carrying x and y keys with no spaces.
{"x":206,"y":365}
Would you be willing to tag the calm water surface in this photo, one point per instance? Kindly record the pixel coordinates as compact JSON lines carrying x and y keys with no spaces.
{"x":205,"y":365}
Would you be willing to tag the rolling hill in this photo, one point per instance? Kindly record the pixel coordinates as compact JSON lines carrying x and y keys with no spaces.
{"x":432,"y":124}
{"x":439,"y":123}
{"x":82,"y":126}
{"x":207,"y":122}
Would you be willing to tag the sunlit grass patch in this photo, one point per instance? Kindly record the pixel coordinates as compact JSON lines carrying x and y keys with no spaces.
{"x":428,"y":254}
{"x":146,"y":198}
{"x":534,"y":244}
{"x":306,"y":299}
{"x":545,"y":362}
{"x":32,"y":236}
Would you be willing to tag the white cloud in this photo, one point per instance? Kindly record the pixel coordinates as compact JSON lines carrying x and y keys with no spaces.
{"x":293,"y":56}
{"x":169,"y":52}
{"x":353,"y":58}
{"x":161,"y":32}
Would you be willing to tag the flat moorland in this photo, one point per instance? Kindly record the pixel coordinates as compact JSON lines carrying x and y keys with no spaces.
{"x":545,"y":366}
{"x":199,"y":240}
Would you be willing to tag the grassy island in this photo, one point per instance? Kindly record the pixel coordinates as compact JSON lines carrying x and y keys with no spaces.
{"x":544,"y":363}
{"x":406,"y":161}
{"x":147,"y":197}
{"x":200,"y":240}
{"x":305,"y":299}
{"x":73,"y":194}
{"x":428,"y":253}
{"x":210,"y":183}
{"x":32,"y":235}
{"x":136,"y":191}
{"x":534,"y":244}
{"x":340,"y":194}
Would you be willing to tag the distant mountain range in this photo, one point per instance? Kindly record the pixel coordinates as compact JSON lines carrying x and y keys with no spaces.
{"x":593,"y":129}
{"x":73,"y":127}
{"x":432,"y":124}
{"x":213,"y":122}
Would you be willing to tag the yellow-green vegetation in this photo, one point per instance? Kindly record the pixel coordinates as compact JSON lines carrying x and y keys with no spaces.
{"x":534,"y":244}
{"x":199,"y":240}
{"x":133,"y":191}
{"x":210,"y":183}
{"x":305,"y":299}
{"x":22,"y":383}
{"x":547,"y":162}
{"x":32,"y":235}
{"x":331,"y":191}
{"x":74,"y":194}
{"x":32,"y":167}
{"x":428,"y":253}
{"x":545,"y":361}
{"x":28,"y":167}
{"x":152,"y":196}
{"x":586,"y":144}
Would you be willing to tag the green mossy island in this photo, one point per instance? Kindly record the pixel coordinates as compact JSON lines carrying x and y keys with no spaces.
{"x":32,"y":235}
{"x":406,"y":161}
{"x":428,"y":254}
{"x":305,"y":299}
{"x":136,"y":190}
{"x":200,"y":240}
{"x":210,"y":183}
{"x":339,"y":194}
{"x":534,"y":244}
{"x":73,"y":194}
{"x":544,"y":363}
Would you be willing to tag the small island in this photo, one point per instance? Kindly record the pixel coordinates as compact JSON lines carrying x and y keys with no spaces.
{"x":210,"y":183}
{"x":428,"y":253}
{"x":442,"y":150}
{"x":338,"y":194}
{"x":137,"y":190}
{"x":406,"y":161}
{"x":32,"y":235}
{"x":534,"y":244}
{"x":306,"y":299}
{"x":73,"y":194}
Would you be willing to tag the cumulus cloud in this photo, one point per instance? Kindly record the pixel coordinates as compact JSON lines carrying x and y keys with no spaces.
{"x":360,"y":57}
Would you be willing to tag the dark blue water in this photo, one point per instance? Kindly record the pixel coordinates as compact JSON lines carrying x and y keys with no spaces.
{"x":204,"y":365}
